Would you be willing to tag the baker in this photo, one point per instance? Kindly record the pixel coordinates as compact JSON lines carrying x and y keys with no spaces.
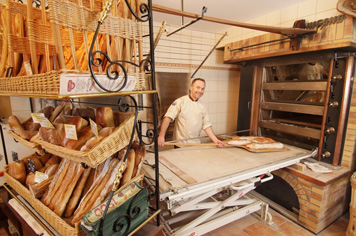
{"x":190,"y":117}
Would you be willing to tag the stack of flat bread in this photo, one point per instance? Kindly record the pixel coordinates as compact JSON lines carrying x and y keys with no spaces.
{"x":255,"y":143}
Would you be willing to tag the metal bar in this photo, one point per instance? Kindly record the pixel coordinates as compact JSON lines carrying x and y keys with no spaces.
{"x":258,"y":44}
{"x":189,"y":23}
{"x":315,"y":86}
{"x":217,"y":43}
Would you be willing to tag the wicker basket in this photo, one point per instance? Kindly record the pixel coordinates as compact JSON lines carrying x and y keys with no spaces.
{"x":60,"y":225}
{"x":34,"y":146}
{"x":111,"y":144}
{"x":54,"y":220}
{"x":48,"y":84}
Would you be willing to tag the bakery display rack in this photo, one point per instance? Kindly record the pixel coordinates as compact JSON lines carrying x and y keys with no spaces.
{"x":47,"y":85}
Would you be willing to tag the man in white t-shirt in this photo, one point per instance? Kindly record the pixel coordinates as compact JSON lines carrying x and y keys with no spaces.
{"x":190,"y":117}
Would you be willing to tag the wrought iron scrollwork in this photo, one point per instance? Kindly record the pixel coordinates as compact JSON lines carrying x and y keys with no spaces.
{"x":96,"y":61}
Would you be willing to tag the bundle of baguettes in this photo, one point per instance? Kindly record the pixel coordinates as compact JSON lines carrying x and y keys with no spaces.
{"x":69,"y":190}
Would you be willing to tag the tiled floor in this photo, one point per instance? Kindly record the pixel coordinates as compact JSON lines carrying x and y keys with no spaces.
{"x":252,"y":226}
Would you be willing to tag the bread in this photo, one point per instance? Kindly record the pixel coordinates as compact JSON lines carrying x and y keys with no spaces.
{"x":94,"y":192}
{"x":258,"y":146}
{"x":38,"y":164}
{"x":129,"y":167}
{"x":56,"y":182}
{"x":80,"y":124}
{"x":51,"y":170}
{"x":83,"y":137}
{"x":77,"y":193}
{"x":53,"y":160}
{"x":63,"y":119}
{"x":86,"y":113}
{"x":44,"y":158}
{"x":67,"y":109}
{"x":17,"y":128}
{"x":30,"y":179}
{"x":69,"y":174}
{"x":96,"y":139}
{"x":47,"y":111}
{"x":18,"y":171}
{"x":55,"y":113}
{"x":50,"y":135}
{"x":30,"y":125}
{"x":104,"y":117}
{"x":140,"y":153}
{"x":67,"y":191}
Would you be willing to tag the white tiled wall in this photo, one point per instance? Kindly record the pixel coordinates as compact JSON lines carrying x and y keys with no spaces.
{"x":185,"y":51}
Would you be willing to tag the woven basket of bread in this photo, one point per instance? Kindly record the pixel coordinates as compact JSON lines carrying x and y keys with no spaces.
{"x":62,"y":227}
{"x":59,"y":224}
{"x":39,"y":40}
{"x":111,"y":144}
{"x":49,"y":84}
{"x":34,"y":146}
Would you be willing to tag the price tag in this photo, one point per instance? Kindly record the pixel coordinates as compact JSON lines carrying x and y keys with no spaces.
{"x":94,"y":127}
{"x":42,"y":120}
{"x":40,"y":176}
{"x":31,"y":165}
{"x":70,"y":131}
{"x":15,"y":156}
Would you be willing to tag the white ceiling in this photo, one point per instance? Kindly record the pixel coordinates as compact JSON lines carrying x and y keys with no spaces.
{"x":236,"y":10}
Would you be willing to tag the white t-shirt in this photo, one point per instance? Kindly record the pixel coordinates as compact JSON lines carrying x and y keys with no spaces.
{"x":190,"y":118}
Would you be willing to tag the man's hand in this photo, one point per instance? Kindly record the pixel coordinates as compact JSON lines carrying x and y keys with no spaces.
{"x":220,"y":143}
{"x":161,"y":141}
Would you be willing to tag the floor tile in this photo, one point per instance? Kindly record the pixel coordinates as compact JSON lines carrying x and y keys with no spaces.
{"x":292,"y":229}
{"x":261,"y":229}
{"x":338,"y":228}
{"x":277,"y":218}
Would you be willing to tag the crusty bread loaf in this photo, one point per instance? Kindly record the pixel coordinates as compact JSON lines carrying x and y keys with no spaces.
{"x":62,"y":119}
{"x":104,"y":117}
{"x":140,"y":153}
{"x":38,"y":163}
{"x":50,"y":135}
{"x":83,"y":137}
{"x":258,"y":146}
{"x":80,"y":124}
{"x":129,"y":167}
{"x":68,"y":189}
{"x":47,"y":111}
{"x":94,"y":192}
{"x":44,"y":158}
{"x":56,"y":182}
{"x":51,"y":170}
{"x":17,"y":128}
{"x":96,"y":139}
{"x":56,"y":199}
{"x":18,"y":171}
{"x":30,"y":125}
{"x":53,"y":160}
{"x":86,"y":113}
{"x":55,"y":113}
{"x":77,"y":193}
{"x":30,"y":179}
{"x":67,"y":109}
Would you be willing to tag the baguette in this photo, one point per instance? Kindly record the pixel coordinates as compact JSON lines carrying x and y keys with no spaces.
{"x":64,"y":184}
{"x":65,"y":196}
{"x":129,"y":167}
{"x":77,"y":193}
{"x":56,"y":182}
{"x":140,"y":153}
{"x":87,"y":203}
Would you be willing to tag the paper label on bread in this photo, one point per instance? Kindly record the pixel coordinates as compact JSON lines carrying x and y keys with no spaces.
{"x":42,"y":120}
{"x":94,"y":127}
{"x":70,"y":131}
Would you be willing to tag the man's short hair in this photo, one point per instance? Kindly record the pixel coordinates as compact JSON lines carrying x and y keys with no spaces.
{"x":196,"y":79}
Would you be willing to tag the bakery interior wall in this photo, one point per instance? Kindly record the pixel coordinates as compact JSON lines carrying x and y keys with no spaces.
{"x":185,"y":51}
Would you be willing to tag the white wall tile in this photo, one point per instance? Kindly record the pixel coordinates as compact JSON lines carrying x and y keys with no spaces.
{"x":306,"y":8}
{"x":325,"y":5}
{"x":289,"y":14}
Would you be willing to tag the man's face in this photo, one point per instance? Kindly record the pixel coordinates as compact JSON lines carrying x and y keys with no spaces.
{"x":197,"y":90}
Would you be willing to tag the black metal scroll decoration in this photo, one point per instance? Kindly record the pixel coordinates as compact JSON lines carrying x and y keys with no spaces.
{"x":111,"y":73}
{"x":101,"y":226}
{"x":124,"y":221}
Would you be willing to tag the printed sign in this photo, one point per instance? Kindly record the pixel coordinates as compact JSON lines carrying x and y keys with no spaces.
{"x":70,"y":131}
{"x":94,"y":127}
